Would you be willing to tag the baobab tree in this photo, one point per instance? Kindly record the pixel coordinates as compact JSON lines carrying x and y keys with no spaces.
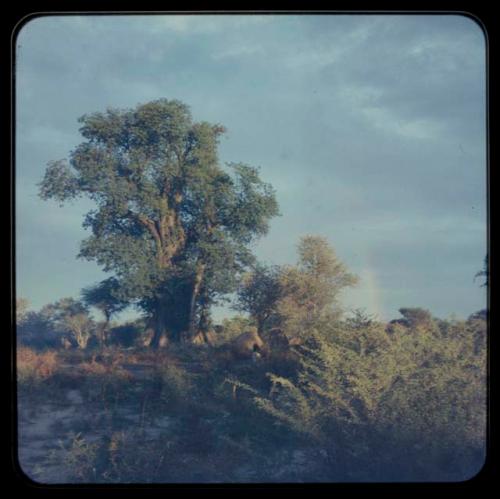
{"x":171,"y":224}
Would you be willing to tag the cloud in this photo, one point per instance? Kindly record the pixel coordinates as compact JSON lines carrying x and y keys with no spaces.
{"x":194,"y":24}
{"x":367,"y":102}
{"x":237,"y":51}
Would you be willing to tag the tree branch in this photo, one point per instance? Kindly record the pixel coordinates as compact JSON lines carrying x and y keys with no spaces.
{"x":151,"y":226}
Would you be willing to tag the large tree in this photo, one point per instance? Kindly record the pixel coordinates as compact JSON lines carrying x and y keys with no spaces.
{"x":170,"y":224}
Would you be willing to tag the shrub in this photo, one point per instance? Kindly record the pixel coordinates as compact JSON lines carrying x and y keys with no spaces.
{"x":125,"y":335}
{"x":362,"y":393}
{"x":176,"y":384}
{"x":231,"y":328}
{"x":79,"y":461}
{"x":36,"y":331}
{"x":34,"y":367}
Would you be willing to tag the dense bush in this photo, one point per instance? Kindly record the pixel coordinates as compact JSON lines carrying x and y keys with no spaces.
{"x":356,"y":401}
{"x":415,"y":397}
{"x":35,"y":367}
{"x":34,"y":330}
{"x":231,"y":328}
{"x":126,"y":335}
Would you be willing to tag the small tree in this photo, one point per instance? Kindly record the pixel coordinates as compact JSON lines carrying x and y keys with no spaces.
{"x":310,"y":290}
{"x":69,"y":316}
{"x":103,"y":296}
{"x":258,"y":294}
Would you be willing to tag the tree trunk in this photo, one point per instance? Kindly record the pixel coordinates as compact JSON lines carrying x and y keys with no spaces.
{"x":104,"y":330}
{"x":198,"y":278}
{"x":261,"y":320}
{"x":159,"y":326}
{"x":204,"y":323}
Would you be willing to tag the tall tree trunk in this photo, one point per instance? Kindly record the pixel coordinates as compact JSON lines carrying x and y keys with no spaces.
{"x":159,"y":326}
{"x":198,"y":279}
{"x":104,"y":330}
{"x":204,"y":322}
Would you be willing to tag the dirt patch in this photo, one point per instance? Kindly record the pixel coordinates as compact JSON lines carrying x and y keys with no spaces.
{"x":47,"y":429}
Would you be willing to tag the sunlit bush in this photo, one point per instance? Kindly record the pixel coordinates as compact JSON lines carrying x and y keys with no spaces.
{"x":231,"y":328}
{"x":35,"y":367}
{"x":363,"y":392}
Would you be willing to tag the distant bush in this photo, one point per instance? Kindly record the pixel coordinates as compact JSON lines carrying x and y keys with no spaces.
{"x":125,"y":335}
{"x":36,"y":331}
{"x":231,"y":328}
{"x":65,"y":322}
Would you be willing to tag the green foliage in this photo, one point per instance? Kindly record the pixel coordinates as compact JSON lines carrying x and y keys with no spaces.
{"x":259,"y":292}
{"x":176,"y":384}
{"x":231,"y":328}
{"x":444,"y":390}
{"x":79,"y":458}
{"x":35,"y":331}
{"x":420,"y":387}
{"x":67,"y":319}
{"x":362,"y":403}
{"x":310,"y":290}
{"x":103,"y":296}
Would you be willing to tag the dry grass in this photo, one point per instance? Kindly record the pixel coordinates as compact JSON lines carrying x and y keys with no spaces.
{"x":35,"y":367}
{"x":112,"y":369}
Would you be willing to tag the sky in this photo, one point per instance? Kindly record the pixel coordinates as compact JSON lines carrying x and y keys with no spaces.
{"x":371,"y":128}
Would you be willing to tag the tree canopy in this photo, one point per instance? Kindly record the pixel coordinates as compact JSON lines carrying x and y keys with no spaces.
{"x":171,"y":224}
{"x":295,"y":297}
{"x":310,"y":289}
{"x":259,"y":292}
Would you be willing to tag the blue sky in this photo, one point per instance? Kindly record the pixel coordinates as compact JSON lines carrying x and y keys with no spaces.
{"x":371,"y":129}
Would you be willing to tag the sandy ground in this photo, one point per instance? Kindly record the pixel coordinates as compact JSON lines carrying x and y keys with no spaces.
{"x":45,"y":426}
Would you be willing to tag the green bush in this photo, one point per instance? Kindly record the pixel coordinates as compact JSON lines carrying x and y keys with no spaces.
{"x":231,"y":328}
{"x":176,"y":384}
{"x":362,"y":392}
